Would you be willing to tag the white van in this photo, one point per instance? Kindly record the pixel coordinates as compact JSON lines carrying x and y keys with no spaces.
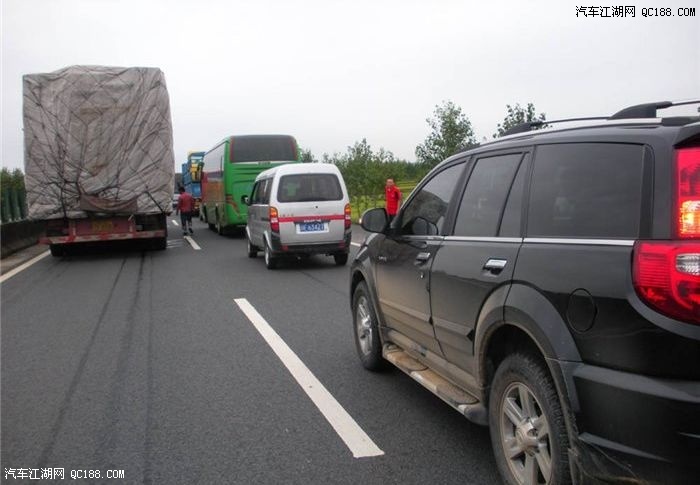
{"x":299,"y":209}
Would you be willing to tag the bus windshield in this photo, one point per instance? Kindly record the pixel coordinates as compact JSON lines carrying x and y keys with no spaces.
{"x":263,"y":148}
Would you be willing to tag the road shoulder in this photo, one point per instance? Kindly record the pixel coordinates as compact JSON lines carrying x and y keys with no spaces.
{"x":20,"y":257}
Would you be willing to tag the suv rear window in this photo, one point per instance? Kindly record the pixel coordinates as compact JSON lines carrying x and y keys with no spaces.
{"x":309,"y":187}
{"x":588,"y":190}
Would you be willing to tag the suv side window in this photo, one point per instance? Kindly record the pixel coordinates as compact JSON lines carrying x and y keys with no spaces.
{"x":512,"y":214}
{"x":589,"y":190}
{"x":425,"y":213}
{"x":482,"y":204}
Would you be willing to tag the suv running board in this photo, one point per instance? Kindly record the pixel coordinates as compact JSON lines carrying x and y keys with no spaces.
{"x":460,"y":400}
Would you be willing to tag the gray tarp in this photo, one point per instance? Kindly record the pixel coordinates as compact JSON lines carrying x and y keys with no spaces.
{"x":97,"y":139}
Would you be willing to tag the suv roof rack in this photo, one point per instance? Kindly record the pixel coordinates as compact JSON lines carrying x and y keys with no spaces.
{"x":639,"y":111}
{"x":646,"y":110}
{"x":529,"y":125}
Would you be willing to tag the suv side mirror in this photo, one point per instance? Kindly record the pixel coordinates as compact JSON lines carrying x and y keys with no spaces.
{"x":374,"y":220}
{"x":245,"y":199}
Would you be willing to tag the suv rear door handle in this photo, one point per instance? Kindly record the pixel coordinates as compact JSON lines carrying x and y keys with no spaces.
{"x":422,"y":257}
{"x":495,"y":266}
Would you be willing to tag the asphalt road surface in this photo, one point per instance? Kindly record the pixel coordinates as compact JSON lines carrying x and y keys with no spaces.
{"x":143,"y":363}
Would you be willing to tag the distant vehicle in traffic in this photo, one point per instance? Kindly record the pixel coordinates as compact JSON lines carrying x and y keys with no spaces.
{"x":299,"y":209}
{"x":90,"y":175}
{"x":230,"y":169}
{"x":192,"y":178}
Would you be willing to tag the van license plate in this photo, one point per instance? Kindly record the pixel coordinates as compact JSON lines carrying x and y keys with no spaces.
{"x":312,"y":227}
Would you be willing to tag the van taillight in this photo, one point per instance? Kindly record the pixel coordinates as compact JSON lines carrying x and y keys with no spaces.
{"x":666,"y":276}
{"x":687,"y":214}
{"x":274,"y":220}
{"x":348,"y":216}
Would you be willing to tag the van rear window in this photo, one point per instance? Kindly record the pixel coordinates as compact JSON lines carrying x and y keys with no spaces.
{"x":309,"y":187}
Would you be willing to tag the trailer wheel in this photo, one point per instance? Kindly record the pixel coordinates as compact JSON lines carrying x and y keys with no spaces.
{"x":160,"y":243}
{"x":57,"y":250}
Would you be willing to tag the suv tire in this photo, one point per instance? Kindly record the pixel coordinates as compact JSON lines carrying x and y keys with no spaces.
{"x":526,"y":418}
{"x":366,"y":330}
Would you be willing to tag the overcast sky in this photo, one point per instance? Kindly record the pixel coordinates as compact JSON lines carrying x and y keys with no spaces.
{"x":333,"y":72}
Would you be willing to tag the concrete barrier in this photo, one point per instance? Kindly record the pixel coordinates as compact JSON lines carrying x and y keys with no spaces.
{"x":19,"y":235}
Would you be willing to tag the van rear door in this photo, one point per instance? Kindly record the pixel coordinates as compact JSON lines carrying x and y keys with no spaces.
{"x":311,"y":208}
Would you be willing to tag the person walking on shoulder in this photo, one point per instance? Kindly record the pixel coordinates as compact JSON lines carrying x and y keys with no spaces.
{"x":185,"y":206}
{"x":393,"y":198}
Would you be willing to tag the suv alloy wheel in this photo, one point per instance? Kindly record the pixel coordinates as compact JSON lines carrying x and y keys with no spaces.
{"x":528,"y":434}
{"x":367,"y":342}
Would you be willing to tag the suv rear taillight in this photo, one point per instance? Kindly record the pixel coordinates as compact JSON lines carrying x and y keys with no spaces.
{"x":666,"y":276}
{"x":274,"y":220}
{"x":687,"y":214}
{"x":348,"y":216}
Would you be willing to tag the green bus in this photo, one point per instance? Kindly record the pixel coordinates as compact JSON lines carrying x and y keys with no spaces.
{"x":230,"y":169}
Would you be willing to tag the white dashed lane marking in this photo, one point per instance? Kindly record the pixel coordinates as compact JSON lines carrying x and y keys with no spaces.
{"x":192,"y":242}
{"x":22,"y":267}
{"x":359,"y":443}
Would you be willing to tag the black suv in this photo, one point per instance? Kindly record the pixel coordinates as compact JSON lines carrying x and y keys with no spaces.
{"x":547,"y":284}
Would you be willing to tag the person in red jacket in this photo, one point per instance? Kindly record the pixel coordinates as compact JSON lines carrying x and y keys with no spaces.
{"x":185,"y":206}
{"x":393,"y":198}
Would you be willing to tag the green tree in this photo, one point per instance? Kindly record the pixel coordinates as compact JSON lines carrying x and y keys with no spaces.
{"x":366,"y":170}
{"x":307,"y":156}
{"x":12,"y":205}
{"x":5,"y":178}
{"x":451,"y":132}
{"x":18,"y":179}
{"x":359,"y":168}
{"x":516,"y":116}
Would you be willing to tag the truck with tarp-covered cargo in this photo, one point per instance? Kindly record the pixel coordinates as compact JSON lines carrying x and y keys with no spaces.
{"x":98,"y":154}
